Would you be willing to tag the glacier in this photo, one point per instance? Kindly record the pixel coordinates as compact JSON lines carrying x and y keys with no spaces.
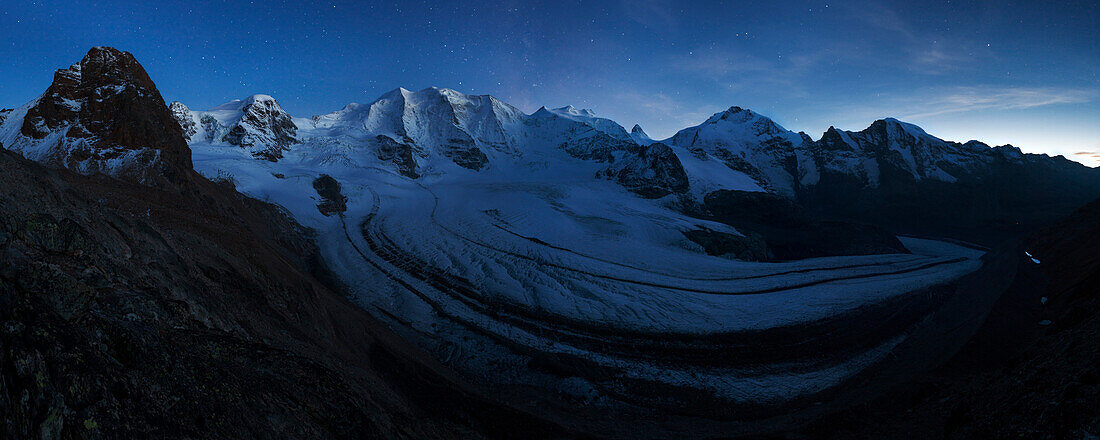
{"x":522,"y":252}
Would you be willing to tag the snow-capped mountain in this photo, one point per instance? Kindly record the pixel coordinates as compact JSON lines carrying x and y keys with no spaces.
{"x":257,"y":124}
{"x":429,"y":130}
{"x":745,"y":143}
{"x":434,"y":130}
{"x":102,"y":115}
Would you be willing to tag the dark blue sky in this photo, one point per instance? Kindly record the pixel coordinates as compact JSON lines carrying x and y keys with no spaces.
{"x":1021,"y":72}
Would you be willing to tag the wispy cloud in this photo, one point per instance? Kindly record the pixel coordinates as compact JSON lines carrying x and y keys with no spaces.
{"x":966,"y":99}
{"x":881,"y":17}
{"x":1090,"y":158}
{"x":935,"y":101}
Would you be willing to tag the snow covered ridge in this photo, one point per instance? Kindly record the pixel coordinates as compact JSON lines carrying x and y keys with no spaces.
{"x":439,"y":131}
{"x":102,"y":115}
{"x":428,"y":131}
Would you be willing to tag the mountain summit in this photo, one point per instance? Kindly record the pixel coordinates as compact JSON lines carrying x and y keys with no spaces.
{"x":102,"y":115}
{"x":257,"y":124}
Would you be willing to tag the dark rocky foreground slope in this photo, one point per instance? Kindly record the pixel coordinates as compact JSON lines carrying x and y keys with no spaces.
{"x":129,"y":312}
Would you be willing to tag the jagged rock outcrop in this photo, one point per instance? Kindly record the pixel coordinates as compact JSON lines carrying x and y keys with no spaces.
{"x":264,"y":128}
{"x":402,"y":156}
{"x":333,"y":202}
{"x":102,"y":115}
{"x":182,"y":114}
{"x":651,"y":171}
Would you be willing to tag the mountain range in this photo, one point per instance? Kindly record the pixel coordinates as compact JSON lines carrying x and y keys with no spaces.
{"x":426,"y":131}
{"x":551,"y":266}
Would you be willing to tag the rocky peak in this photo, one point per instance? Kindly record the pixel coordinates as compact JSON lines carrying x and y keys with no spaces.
{"x":264,"y":128}
{"x":257,"y":123}
{"x":733,"y":114}
{"x":1009,"y":151}
{"x":640,"y":136}
{"x":183,"y":115}
{"x":834,"y":139}
{"x":892,"y":130}
{"x":757,"y":125}
{"x":104,"y":115}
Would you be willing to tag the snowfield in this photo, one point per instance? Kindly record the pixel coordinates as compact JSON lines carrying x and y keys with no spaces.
{"x":533,"y":257}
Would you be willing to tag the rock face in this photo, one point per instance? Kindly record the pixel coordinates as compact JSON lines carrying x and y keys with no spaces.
{"x":333,"y":202}
{"x":651,"y":171}
{"x":402,"y":156}
{"x":182,"y":114}
{"x":257,"y":124}
{"x":103,"y":115}
{"x":264,"y":128}
{"x":640,"y":135}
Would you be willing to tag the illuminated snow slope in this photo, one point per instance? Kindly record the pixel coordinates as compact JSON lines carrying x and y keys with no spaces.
{"x":533,"y":257}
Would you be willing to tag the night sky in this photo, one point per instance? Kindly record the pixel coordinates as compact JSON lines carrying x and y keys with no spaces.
{"x":1022,"y":72}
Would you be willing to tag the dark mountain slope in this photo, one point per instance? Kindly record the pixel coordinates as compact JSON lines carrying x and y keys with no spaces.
{"x":1032,"y":370}
{"x":130,"y":312}
{"x":927,"y":186}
